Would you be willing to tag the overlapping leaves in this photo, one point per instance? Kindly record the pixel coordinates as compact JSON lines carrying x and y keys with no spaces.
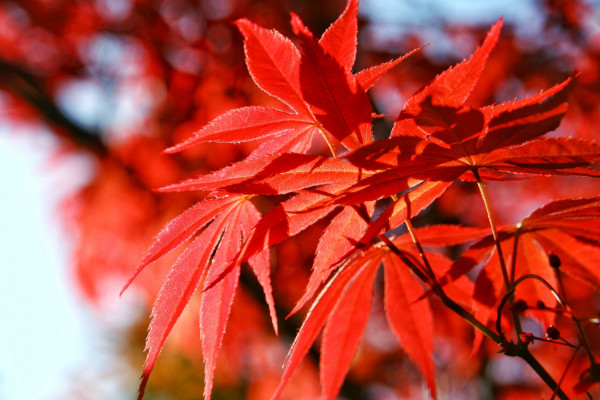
{"x":556,"y":229}
{"x":342,"y":308}
{"x":435,"y":141}
{"x":218,"y":226}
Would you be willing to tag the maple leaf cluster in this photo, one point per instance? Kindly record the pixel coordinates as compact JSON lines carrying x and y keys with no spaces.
{"x":315,"y":165}
{"x":179,"y":64}
{"x":435,"y":141}
{"x":316,"y":157}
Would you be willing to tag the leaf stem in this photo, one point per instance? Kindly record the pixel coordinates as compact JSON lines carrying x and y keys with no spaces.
{"x":513,"y":261}
{"x":327,"y":140}
{"x":413,"y":235}
{"x":488,"y":209}
{"x":507,"y":282}
{"x":404,"y":257}
{"x":417,"y":243}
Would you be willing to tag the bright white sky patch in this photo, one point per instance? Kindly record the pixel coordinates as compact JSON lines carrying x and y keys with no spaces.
{"x":46,"y":338}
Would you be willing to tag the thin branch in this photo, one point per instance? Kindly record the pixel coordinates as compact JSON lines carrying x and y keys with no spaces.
{"x":24,"y":85}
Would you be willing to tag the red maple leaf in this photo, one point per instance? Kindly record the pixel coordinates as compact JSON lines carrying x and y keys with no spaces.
{"x":343,"y":306}
{"x":218,"y":226}
{"x":317,"y":86}
{"x":437,"y":140}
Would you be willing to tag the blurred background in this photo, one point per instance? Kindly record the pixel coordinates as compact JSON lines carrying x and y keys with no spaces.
{"x":91,"y":92}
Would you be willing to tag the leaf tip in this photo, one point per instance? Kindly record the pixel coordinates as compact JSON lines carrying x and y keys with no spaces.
{"x":124,"y":288}
{"x":145,"y":261}
{"x":244,"y":25}
{"x":240,"y":22}
{"x":144,"y":382}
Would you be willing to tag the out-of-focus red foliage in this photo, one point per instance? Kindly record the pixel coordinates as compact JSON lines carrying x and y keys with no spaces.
{"x":157,"y":71}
